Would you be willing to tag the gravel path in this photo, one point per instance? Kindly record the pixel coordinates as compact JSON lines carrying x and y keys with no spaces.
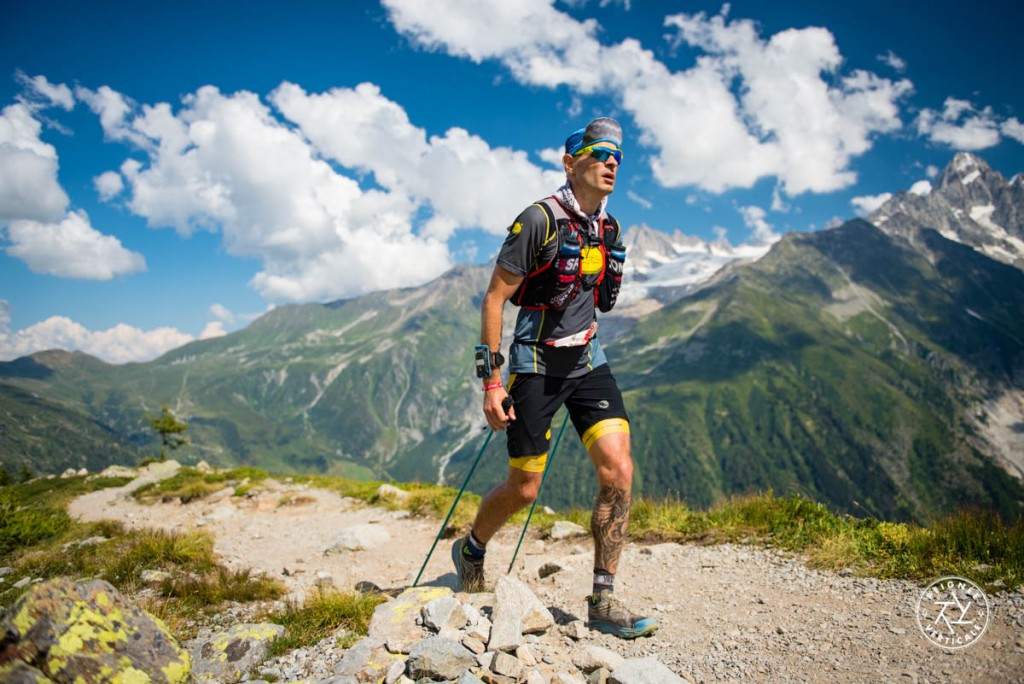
{"x":727,"y":612}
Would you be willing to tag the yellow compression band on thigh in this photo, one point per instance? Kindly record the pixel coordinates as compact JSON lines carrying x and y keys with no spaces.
{"x":531,"y":464}
{"x":598,"y":430}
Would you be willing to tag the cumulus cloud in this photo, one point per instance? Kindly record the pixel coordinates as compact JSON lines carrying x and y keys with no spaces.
{"x":71,"y":248}
{"x":755,"y":218}
{"x":1013,"y":128}
{"x":108,"y":184}
{"x":866,"y":204}
{"x":960,"y":125}
{"x":752,"y":107}
{"x":40,"y":229}
{"x":213,"y":329}
{"x":228,"y":163}
{"x":921,"y":188}
{"x":119,"y":344}
{"x":28,"y":169}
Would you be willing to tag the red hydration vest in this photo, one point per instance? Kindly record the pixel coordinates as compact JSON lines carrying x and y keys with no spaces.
{"x":552,"y":285}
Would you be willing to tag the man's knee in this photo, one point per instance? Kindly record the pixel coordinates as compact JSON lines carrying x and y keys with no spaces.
{"x":523,"y":487}
{"x":612,"y":460}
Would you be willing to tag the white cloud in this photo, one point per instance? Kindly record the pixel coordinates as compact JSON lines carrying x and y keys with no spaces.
{"x":39,"y":92}
{"x":642,"y":201}
{"x":921,"y":188}
{"x":750,"y":107}
{"x":227,"y":163}
{"x":213,"y":329}
{"x":866,"y":204}
{"x":755,"y":219}
{"x":28,"y":169}
{"x":960,"y":125}
{"x":931,"y":171}
{"x":71,"y":248}
{"x":1013,"y":128}
{"x":222,"y":313}
{"x":108,"y":184}
{"x":893,"y":60}
{"x":120,"y":344}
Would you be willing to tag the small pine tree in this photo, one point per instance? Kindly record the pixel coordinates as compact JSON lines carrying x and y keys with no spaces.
{"x":170,"y":430}
{"x":5,"y":477}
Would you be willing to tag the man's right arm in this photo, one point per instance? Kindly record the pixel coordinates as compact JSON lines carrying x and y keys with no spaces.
{"x":501,"y":288}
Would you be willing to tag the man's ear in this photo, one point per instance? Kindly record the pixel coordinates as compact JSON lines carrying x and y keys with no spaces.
{"x":567,"y":162}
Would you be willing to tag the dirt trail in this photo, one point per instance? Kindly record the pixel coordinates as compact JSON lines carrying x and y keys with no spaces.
{"x":727,"y":613}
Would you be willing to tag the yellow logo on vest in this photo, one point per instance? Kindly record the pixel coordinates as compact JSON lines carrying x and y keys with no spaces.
{"x":591,"y":260}
{"x":516,"y":228}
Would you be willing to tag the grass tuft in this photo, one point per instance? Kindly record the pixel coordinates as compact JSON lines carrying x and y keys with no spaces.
{"x":323,"y":614}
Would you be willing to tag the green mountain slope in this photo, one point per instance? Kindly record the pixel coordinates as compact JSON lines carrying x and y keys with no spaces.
{"x":852,"y":365}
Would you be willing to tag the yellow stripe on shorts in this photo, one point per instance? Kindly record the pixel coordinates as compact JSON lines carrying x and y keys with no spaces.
{"x":531,"y":464}
{"x":598,"y":430}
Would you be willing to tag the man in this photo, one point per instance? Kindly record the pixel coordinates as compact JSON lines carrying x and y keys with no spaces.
{"x":562,"y":259}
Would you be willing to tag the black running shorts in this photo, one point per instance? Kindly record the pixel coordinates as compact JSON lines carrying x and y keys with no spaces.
{"x":593,"y":401}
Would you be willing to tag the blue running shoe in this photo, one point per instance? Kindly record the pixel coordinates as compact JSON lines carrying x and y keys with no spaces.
{"x":607,"y":614}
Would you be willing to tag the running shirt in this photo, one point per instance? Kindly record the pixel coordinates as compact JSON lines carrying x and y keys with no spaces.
{"x":523,"y":251}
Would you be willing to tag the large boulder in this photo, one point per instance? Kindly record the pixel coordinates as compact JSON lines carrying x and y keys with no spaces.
{"x":87,"y":632}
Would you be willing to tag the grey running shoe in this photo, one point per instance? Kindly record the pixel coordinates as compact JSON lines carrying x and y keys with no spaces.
{"x":607,"y":614}
{"x":469,"y":570}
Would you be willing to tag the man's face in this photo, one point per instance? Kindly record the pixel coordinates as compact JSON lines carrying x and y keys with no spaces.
{"x":590,"y":174}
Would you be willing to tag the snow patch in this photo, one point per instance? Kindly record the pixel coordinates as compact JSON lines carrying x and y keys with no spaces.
{"x":971,"y":177}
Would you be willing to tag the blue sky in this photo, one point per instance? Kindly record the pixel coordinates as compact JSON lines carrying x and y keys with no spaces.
{"x":168,"y":171}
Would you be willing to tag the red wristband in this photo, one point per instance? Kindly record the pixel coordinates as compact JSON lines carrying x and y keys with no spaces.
{"x":492,"y":385}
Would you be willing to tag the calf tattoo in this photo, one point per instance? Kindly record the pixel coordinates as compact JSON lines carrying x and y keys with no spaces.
{"x":609,"y":523}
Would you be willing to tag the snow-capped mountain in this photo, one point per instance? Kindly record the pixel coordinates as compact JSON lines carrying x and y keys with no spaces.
{"x":662,"y":268}
{"x":971,"y":204}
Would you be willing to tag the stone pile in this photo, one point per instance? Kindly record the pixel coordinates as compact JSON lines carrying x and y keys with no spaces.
{"x":63,"y":631}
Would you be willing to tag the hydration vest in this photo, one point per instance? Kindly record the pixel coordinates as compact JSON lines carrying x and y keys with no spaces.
{"x":581,"y":262}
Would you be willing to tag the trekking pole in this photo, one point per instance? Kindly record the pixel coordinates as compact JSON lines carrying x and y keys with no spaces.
{"x":506,"y":404}
{"x":543,"y":477}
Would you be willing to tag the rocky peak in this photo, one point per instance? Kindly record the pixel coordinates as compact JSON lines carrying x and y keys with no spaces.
{"x":971,"y":204}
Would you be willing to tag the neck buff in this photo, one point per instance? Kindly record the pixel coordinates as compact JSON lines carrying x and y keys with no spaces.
{"x":568,"y":199}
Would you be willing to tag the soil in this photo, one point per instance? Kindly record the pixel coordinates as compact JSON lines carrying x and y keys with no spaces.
{"x":726,"y":612}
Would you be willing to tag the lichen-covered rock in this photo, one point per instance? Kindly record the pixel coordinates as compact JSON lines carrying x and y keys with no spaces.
{"x":438,"y":658}
{"x":227,"y":656}
{"x":87,"y":632}
{"x":18,"y":672}
{"x":396,"y":620}
{"x":368,"y":661}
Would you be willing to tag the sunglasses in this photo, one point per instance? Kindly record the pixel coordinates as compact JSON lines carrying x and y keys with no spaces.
{"x":601,"y":154}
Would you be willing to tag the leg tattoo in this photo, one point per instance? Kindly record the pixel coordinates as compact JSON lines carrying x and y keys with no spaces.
{"x":609,"y":523}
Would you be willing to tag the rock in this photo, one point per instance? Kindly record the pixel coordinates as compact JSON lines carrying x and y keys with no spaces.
{"x":204,"y":467}
{"x":506,"y":665}
{"x":444,"y":612}
{"x":386,"y":491}
{"x":548,"y":569}
{"x":396,"y":620}
{"x":359,"y":537}
{"x":367,"y":661}
{"x":228,"y":655}
{"x":438,"y":658}
{"x":118,"y":471}
{"x":18,"y":672}
{"x":644,"y":671}
{"x":154,"y":576}
{"x":590,"y":657}
{"x":72,"y":631}
{"x":395,"y":672}
{"x":516,"y":612}
{"x":70,"y":472}
{"x":577,"y":629}
{"x":599,"y":676}
{"x":475,"y":646}
{"x":469,"y":678}
{"x":563,"y":529}
{"x":154,"y":472}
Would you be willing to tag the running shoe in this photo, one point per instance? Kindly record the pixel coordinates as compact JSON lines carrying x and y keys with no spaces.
{"x":607,"y":614}
{"x":470,"y":570}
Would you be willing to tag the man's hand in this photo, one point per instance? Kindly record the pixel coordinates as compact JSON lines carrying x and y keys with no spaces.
{"x":498,"y":409}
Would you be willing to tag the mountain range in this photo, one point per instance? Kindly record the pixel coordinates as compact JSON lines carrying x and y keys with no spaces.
{"x":877,"y":366}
